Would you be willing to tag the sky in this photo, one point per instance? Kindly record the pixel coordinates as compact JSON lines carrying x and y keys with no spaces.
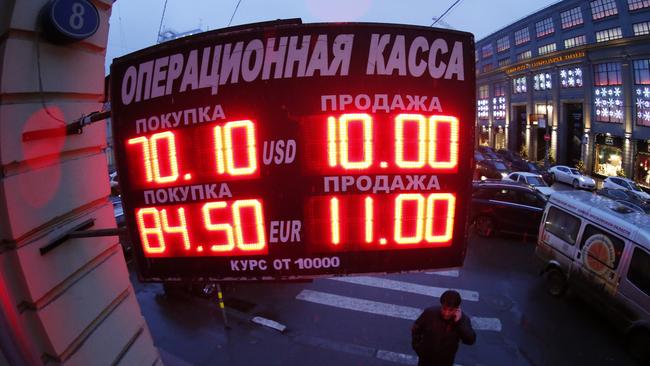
{"x":134,"y":24}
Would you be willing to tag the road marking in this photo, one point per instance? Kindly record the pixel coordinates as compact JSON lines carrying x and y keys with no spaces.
{"x":452,"y":273}
{"x":397,"y":357}
{"x":269,"y":323}
{"x":382,"y":308}
{"x":405,"y":286}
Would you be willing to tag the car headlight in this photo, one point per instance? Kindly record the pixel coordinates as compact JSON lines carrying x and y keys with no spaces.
{"x":504,"y":175}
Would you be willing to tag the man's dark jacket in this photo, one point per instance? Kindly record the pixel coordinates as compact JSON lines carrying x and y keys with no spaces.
{"x":435,"y":339}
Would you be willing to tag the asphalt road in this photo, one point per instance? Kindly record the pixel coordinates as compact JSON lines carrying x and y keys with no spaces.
{"x":366,"y":320}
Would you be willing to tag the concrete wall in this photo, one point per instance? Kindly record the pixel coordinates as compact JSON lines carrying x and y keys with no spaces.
{"x":73,"y":305}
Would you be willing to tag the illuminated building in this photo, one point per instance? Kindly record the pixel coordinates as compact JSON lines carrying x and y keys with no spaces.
{"x":577,"y":72}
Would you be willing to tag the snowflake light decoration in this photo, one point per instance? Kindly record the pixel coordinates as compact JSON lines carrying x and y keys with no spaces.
{"x":608,"y":104}
{"x":643,"y":106}
{"x":571,"y":78}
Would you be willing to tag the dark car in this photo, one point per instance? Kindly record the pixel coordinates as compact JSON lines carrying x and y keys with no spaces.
{"x":509,"y":156}
{"x":626,"y":198}
{"x":506,"y":207}
{"x":491,"y":169}
{"x":488,"y":152}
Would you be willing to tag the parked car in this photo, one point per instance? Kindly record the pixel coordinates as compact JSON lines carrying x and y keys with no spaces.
{"x":491,"y":169}
{"x":478,"y":156}
{"x":626,"y":198}
{"x":602,"y":253}
{"x":626,"y":184}
{"x":514,"y":160}
{"x":488,"y":152}
{"x":533,"y":167}
{"x":572,"y":176}
{"x":534,"y":180}
{"x":505,"y":207}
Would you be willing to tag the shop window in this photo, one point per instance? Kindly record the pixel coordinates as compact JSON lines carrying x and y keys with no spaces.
{"x":642,"y":91}
{"x":546,"y":49}
{"x":575,"y":41}
{"x":609,"y":34}
{"x":544,"y":27}
{"x":571,"y":18}
{"x":484,"y":136}
{"x":499,"y":138}
{"x":522,"y":36}
{"x":563,"y":225}
{"x":641,"y":29}
{"x":524,"y":55}
{"x":482,"y":108}
{"x":542,"y":81}
{"x":503,"y":44}
{"x":603,"y":8}
{"x":638,"y":4}
{"x":642,"y":166}
{"x":609,"y":160}
{"x":603,"y":250}
{"x":571,"y":77}
{"x":519,"y":85}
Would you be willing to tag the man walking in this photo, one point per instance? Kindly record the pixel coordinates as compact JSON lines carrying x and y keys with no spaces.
{"x":436,"y":333}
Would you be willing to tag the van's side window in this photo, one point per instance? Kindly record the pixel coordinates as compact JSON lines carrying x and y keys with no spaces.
{"x":562,"y":225}
{"x":602,"y":247}
{"x":639,"y":272}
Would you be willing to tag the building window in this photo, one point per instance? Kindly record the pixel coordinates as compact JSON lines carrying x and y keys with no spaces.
{"x":544,"y":27}
{"x":486,"y":51}
{"x":542,"y":81}
{"x":499,"y":101}
{"x":546,"y":49}
{"x":608,"y":100}
{"x":571,"y":78}
{"x":638,"y":4}
{"x":642,"y":91}
{"x":524,"y":55}
{"x":641,"y":29}
{"x":609,"y":34}
{"x":575,"y":41}
{"x":503,"y":44}
{"x":504,"y":62}
{"x":488,"y":67}
{"x":571,"y":18}
{"x":603,"y":8}
{"x":607,"y":74}
{"x":522,"y":36}
{"x":519,"y":85}
{"x":482,"y":108}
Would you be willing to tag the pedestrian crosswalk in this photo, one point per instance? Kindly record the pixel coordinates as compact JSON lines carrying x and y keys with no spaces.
{"x":400,"y":311}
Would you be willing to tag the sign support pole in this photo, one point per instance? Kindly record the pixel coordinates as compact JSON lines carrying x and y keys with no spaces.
{"x":222,"y":306}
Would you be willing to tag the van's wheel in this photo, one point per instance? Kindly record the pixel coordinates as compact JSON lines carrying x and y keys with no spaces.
{"x":484,"y":226}
{"x":555,"y":282}
{"x":638,"y":344}
{"x":575,"y":184}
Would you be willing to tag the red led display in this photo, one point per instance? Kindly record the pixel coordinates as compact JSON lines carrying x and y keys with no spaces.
{"x":214,"y":228}
{"x":289,"y":150}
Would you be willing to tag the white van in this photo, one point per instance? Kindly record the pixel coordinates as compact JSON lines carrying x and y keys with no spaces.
{"x":600,"y":250}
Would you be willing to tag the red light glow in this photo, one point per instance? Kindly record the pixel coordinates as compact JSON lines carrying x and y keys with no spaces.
{"x":437,"y":145}
{"x":400,"y":121}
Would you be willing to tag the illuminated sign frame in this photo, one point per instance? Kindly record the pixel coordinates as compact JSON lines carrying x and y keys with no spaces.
{"x":284,"y":150}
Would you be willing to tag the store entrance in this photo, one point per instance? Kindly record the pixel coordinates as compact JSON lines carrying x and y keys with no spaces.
{"x":574,"y":130}
{"x":519,"y":138}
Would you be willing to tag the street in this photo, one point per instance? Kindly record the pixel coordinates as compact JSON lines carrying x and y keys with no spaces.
{"x":366,"y":320}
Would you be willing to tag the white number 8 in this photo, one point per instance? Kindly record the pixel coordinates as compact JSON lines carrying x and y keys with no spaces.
{"x":76,"y":19}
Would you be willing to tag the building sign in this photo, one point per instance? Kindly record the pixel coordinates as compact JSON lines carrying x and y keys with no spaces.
{"x":287,"y":150}
{"x":546,"y":61}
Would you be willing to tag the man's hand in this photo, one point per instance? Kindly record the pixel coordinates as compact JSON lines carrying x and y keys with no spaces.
{"x":458,"y":315}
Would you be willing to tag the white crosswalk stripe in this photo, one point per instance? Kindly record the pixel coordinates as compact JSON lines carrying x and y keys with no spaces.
{"x":405,"y":286}
{"x":381,"y":308}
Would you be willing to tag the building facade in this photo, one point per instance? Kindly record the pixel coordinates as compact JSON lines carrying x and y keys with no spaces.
{"x":571,"y":81}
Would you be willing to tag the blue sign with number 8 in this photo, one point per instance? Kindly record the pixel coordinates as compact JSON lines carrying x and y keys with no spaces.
{"x":70,"y":20}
